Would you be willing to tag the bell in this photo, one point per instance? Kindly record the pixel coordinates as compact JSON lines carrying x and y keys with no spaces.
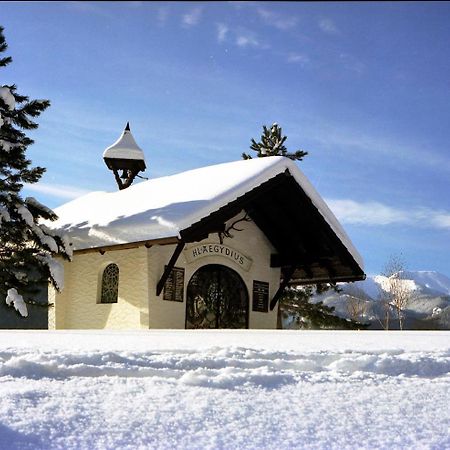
{"x":124,"y":175}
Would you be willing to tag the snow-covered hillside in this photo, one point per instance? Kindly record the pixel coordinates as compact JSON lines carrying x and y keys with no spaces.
{"x":224,"y":389}
{"x":429,"y":306}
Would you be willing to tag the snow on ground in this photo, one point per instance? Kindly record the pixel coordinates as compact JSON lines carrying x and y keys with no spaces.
{"x":224,"y":389}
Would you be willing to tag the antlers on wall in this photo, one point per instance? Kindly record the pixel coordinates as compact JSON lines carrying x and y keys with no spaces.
{"x":227,"y":231}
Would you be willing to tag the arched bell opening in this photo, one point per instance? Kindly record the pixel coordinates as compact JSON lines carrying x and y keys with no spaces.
{"x":217,"y":297}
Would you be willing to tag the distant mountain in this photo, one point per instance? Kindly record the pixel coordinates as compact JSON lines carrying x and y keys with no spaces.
{"x":426,"y":282}
{"x":429,"y":281}
{"x":429,"y":307}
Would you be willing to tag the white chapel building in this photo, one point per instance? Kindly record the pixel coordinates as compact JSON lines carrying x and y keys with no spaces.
{"x":212,"y":247}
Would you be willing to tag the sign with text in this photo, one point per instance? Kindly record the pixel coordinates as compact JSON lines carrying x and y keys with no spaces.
{"x":260,"y":296}
{"x":204,"y":250}
{"x":174,"y":285}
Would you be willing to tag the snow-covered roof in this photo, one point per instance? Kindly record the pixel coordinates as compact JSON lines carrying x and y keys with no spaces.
{"x":163,"y":207}
{"x":125,"y":147}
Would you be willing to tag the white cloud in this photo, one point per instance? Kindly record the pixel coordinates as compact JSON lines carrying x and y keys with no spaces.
{"x":222,"y":31}
{"x":441,"y":220}
{"x":57,"y":190}
{"x":328,"y":26}
{"x":241,"y":37}
{"x":192,"y":18}
{"x":277,"y":20}
{"x":378,"y":214}
{"x":246,"y":40}
{"x":369,"y":213}
{"x":298,"y":58}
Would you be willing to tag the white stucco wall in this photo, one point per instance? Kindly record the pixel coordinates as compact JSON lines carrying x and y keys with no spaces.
{"x":140,"y":270}
{"x":78,"y":305}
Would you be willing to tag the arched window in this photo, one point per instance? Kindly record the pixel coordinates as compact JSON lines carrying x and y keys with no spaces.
{"x":110,"y":284}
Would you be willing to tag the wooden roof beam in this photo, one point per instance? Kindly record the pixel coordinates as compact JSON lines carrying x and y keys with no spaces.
{"x":286,"y":278}
{"x":283,"y":260}
{"x":318,"y":280}
{"x":169,"y":267}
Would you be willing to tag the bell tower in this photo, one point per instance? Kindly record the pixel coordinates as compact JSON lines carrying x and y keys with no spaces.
{"x":126,"y":156}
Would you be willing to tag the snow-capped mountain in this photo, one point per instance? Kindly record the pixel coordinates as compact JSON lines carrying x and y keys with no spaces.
{"x":428,"y":307}
{"x":429,"y":281}
{"x":422,"y":282}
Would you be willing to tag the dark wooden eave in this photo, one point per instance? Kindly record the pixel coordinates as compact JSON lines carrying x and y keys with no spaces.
{"x":306,"y":246}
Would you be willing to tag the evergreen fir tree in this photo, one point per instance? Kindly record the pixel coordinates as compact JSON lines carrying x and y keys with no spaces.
{"x":296,"y":303}
{"x":27,"y":247}
{"x":272,"y":144}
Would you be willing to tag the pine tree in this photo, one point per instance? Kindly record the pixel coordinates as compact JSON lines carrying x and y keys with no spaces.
{"x":27,"y":247}
{"x":272,"y":144}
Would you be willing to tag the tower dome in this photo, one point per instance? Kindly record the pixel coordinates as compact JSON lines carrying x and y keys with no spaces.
{"x":127,"y":156}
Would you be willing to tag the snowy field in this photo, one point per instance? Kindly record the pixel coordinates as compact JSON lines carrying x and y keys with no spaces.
{"x":224,"y":390}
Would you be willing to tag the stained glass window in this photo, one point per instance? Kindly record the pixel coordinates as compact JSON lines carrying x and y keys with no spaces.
{"x":110,"y":284}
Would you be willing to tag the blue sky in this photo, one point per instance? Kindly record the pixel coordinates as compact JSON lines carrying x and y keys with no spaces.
{"x":363,"y":87}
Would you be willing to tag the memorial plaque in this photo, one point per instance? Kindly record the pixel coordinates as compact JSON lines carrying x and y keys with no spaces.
{"x":174,"y":285}
{"x":260,"y":296}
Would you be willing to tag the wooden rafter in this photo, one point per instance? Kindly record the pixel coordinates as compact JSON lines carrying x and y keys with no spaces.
{"x":319,"y":280}
{"x":169,"y":267}
{"x":286,"y":278}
